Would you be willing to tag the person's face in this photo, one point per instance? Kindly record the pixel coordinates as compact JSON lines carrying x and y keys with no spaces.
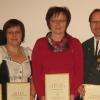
{"x":58,"y":23}
{"x":14,"y":36}
{"x":95,"y":24}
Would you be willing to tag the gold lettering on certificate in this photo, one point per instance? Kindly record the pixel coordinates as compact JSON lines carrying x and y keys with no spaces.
{"x":57,"y":86}
{"x":57,"y":90}
{"x":18,"y":94}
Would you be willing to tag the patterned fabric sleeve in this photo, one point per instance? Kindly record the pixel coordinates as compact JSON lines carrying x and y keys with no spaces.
{"x":29,"y":52}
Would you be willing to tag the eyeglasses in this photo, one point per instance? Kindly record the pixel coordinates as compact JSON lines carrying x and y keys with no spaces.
{"x":95,"y":22}
{"x":58,"y":21}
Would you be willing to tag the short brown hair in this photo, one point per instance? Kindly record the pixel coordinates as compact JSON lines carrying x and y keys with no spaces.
{"x":56,"y":10}
{"x":14,"y":22}
{"x":94,"y":11}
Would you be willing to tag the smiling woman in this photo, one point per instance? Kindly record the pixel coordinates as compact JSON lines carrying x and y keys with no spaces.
{"x":15,"y":60}
{"x":57,"y":52}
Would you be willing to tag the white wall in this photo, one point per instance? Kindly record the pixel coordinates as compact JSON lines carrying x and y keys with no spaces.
{"x":32,"y":14}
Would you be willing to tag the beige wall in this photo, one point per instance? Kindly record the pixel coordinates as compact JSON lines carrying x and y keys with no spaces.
{"x":32,"y":14}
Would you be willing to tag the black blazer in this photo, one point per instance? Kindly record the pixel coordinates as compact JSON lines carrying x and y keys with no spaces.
{"x":4,"y":78}
{"x":91,"y":74}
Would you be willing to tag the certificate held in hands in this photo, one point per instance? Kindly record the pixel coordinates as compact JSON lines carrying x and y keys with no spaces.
{"x":92,"y":92}
{"x":18,"y":91}
{"x":57,"y":87}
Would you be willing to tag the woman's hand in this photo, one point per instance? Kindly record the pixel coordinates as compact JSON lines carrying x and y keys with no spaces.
{"x":43,"y":98}
{"x":81,"y":90}
{"x":33,"y":92}
{"x":32,"y":98}
{"x":72,"y":97}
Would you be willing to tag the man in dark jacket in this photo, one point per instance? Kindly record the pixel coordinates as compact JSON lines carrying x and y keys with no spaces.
{"x":91,"y":49}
